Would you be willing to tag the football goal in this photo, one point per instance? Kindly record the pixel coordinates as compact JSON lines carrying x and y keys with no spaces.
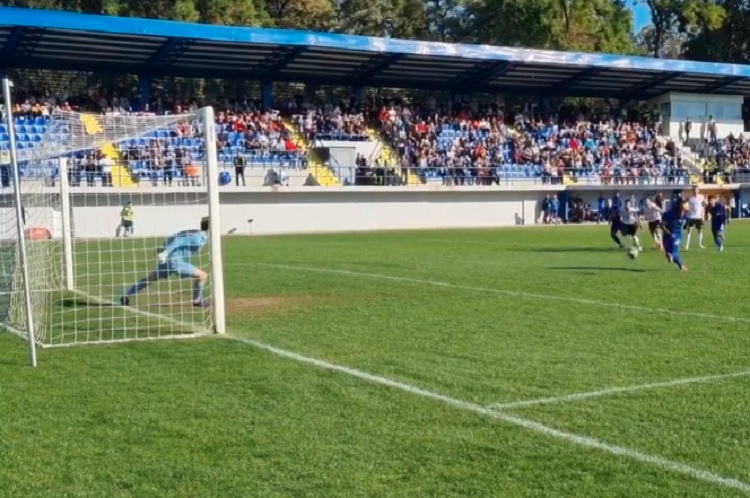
{"x":112,"y":231}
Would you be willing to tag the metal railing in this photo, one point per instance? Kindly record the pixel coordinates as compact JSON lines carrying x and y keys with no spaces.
{"x":297,"y":174}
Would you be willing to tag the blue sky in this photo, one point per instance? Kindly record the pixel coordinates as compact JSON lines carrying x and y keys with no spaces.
{"x":641,"y":16}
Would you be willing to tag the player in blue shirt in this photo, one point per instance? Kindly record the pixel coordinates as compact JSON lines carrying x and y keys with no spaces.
{"x":718,"y":212}
{"x":174,"y":259}
{"x":671,"y":225}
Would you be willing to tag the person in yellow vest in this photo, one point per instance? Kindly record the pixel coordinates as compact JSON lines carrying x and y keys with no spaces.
{"x":126,"y":220}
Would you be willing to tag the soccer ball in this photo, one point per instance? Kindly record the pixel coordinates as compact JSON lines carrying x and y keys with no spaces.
{"x":633,"y":252}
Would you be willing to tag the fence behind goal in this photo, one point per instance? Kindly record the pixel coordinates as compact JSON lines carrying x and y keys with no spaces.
{"x":78,"y":282}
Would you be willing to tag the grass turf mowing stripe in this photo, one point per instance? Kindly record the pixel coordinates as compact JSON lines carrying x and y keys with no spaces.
{"x":504,"y":292}
{"x":618,"y":390}
{"x":530,"y":425}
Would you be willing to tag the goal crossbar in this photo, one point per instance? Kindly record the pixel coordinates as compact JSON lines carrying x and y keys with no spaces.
{"x":102,"y":265}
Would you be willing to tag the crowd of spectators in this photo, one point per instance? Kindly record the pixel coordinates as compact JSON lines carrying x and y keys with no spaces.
{"x":726,"y":159}
{"x":170,"y":154}
{"x":343,"y":120}
{"x":469,"y":148}
{"x":454,"y":145}
{"x":246,"y":137}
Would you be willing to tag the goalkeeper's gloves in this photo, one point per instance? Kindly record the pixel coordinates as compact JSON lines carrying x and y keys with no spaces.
{"x":162,"y":256}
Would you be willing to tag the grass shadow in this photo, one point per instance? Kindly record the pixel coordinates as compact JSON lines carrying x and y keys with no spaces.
{"x":563,"y":249}
{"x":590,"y":269}
{"x":83,"y":303}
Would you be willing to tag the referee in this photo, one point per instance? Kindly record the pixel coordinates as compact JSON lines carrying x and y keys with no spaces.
{"x":126,"y":220}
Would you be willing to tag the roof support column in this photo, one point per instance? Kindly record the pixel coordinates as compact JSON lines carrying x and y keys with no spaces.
{"x":266,"y":95}
{"x":110,"y":87}
{"x":359,"y":94}
{"x":144,"y":85}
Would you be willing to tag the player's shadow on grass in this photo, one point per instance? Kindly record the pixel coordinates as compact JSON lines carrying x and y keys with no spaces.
{"x":591,"y":269}
{"x":563,"y":249}
{"x":83,"y":303}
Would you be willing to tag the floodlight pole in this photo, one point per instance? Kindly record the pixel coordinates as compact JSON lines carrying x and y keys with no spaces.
{"x":20,"y":223}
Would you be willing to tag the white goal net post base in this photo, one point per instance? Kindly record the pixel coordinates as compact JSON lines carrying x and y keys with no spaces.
{"x":113,"y":287}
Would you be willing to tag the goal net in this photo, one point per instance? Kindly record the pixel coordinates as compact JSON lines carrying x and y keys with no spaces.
{"x":115,"y":209}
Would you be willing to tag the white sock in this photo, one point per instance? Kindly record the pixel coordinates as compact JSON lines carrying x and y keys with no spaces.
{"x":636,"y":241}
{"x":700,"y":238}
{"x":687,"y":241}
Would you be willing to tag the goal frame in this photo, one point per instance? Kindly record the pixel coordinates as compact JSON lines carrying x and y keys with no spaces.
{"x":20,"y":225}
{"x":206,"y":117}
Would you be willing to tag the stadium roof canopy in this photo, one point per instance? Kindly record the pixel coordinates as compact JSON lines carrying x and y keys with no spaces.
{"x":68,"y":41}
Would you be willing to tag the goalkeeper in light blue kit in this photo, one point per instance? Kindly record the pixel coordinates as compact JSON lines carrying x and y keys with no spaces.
{"x":174,"y":259}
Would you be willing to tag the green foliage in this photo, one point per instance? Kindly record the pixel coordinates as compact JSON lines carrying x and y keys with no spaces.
{"x":690,"y":17}
{"x":302,"y":14}
{"x":585,"y":25}
{"x":713,"y":30}
{"x":727,"y":41}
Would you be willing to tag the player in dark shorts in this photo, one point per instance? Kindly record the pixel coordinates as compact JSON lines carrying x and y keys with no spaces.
{"x":615,"y":226}
{"x":718,"y":212}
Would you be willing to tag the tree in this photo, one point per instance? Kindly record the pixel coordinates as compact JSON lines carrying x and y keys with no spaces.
{"x":397,"y":18}
{"x":728,"y":42}
{"x":302,"y":14}
{"x":688,"y":17}
{"x":528,"y":23}
{"x":596,"y":26}
{"x":672,"y":44}
{"x":444,"y":19}
{"x":229,"y":12}
{"x":584,"y":25}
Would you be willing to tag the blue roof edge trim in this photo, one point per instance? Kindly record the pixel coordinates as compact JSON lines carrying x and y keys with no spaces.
{"x":38,"y":18}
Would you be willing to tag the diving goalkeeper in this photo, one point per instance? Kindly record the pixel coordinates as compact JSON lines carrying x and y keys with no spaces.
{"x":174,"y":259}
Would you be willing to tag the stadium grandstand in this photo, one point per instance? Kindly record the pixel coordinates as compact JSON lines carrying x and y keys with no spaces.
{"x":451,"y":126}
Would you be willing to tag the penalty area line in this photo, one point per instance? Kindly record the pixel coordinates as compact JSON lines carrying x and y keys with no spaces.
{"x":536,"y":427}
{"x":618,"y":390}
{"x":489,"y":290}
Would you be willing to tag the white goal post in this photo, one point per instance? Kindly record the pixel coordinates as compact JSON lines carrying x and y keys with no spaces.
{"x":105,"y":240}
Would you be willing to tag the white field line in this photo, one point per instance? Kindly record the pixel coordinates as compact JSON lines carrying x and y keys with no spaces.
{"x":530,"y":425}
{"x":167,"y":319}
{"x":618,"y":390}
{"x":528,"y":295}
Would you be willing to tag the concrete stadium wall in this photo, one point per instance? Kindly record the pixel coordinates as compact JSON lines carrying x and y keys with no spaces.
{"x":310,"y":210}
{"x":162,"y":211}
{"x":321,"y":209}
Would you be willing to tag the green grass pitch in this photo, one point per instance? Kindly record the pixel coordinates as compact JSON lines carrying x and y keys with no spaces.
{"x":481,"y":318}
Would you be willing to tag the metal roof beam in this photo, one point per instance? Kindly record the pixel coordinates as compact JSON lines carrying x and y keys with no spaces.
{"x":169,"y":52}
{"x":26,"y":42}
{"x":586,"y":73}
{"x":373,"y":67}
{"x":483,"y":72}
{"x":722,"y":84}
{"x":16,"y":35}
{"x":276,"y":62}
{"x":647,"y":85}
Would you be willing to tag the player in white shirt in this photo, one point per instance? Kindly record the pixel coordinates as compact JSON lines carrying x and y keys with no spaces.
{"x":652,"y":215}
{"x":696,"y":215}
{"x":629,"y":222}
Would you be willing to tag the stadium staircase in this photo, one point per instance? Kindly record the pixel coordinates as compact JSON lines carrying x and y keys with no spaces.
{"x":315,"y":165}
{"x":121,"y":176}
{"x":691,"y":159}
{"x":388,"y":156}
